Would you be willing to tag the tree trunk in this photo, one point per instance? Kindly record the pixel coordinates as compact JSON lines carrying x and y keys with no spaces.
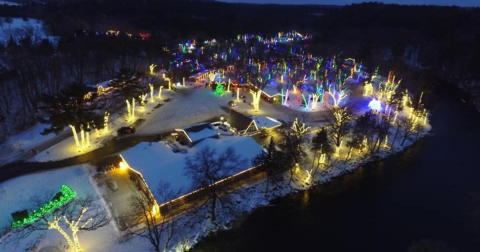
{"x":214,"y":205}
{"x":268,"y":182}
{"x":395,"y":137}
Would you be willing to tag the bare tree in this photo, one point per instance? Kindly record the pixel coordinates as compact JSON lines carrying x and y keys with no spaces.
{"x":207,"y":167}
{"x":148,"y":222}
{"x":322,"y":150}
{"x":408,"y":127}
{"x":80,"y":214}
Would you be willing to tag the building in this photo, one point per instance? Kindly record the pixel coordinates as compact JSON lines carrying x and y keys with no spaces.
{"x":149,"y":163}
{"x":240,"y":123}
{"x":192,"y":135}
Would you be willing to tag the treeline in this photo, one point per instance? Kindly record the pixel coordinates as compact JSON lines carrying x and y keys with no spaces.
{"x":32,"y":74}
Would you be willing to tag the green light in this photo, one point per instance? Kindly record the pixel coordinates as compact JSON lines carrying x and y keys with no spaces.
{"x":67,"y":195}
{"x":219,"y":89}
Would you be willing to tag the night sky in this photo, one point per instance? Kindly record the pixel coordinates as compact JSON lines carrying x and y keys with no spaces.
{"x":465,"y":3}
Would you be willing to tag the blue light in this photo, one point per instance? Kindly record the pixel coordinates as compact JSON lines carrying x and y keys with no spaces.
{"x":375,"y":104}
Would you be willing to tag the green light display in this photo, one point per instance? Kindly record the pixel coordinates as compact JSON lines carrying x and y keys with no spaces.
{"x":67,"y":195}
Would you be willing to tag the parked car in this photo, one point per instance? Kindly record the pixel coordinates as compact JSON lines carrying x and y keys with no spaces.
{"x":232,"y":104}
{"x":125,"y":131}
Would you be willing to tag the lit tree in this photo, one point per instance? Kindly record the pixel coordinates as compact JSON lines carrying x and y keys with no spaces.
{"x":340,"y":125}
{"x":207,"y":167}
{"x":256,"y":99}
{"x":322,"y":150}
{"x":81,"y":214}
{"x":293,"y":145}
{"x":219,"y":89}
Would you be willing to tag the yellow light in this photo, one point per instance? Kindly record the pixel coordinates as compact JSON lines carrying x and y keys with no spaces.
{"x":122,"y":166}
{"x":152,"y":67}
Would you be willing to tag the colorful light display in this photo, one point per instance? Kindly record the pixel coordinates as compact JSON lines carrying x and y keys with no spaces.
{"x":67,"y":195}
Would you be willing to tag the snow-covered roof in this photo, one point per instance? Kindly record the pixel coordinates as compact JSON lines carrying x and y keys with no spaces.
{"x":158,"y":162}
{"x":265,"y":121}
{"x":200,"y":131}
{"x":271,"y":91}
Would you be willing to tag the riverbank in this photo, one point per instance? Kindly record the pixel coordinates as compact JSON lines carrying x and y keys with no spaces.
{"x":424,"y":192}
{"x":197,"y":226}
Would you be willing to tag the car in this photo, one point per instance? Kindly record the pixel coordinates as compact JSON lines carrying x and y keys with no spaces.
{"x":232,"y":104}
{"x":125,"y":131}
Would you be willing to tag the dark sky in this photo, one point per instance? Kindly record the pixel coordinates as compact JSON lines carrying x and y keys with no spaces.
{"x":465,"y":3}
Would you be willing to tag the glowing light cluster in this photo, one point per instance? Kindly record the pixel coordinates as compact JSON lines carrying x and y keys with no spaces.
{"x":67,"y":195}
{"x":375,"y":105}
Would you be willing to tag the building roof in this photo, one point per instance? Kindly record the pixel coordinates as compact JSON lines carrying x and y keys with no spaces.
{"x":266,"y":122}
{"x":156,"y":161}
{"x":200,"y":131}
{"x":239,"y":121}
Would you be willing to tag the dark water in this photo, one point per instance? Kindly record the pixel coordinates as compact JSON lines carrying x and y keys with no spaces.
{"x":426,"y":192}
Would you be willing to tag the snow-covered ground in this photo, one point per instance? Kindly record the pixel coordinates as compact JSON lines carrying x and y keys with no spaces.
{"x":22,"y":143}
{"x":186,"y":106}
{"x":19,"y":28}
{"x":194,"y":225}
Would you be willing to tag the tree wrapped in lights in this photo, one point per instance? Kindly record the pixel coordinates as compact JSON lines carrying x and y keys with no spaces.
{"x":219,"y":90}
{"x":340,"y":125}
{"x":131,"y":110}
{"x":293,"y":145}
{"x":256,"y":99}
{"x":80,"y":214}
{"x":66,"y":195}
{"x":152,"y":68}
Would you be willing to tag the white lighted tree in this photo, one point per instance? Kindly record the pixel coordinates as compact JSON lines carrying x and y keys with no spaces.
{"x":81,"y":214}
{"x":256,"y":99}
{"x":152,"y":68}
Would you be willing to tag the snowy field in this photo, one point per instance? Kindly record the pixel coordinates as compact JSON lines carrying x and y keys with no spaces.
{"x":158,"y":162}
{"x":21,"y":143}
{"x":19,"y":28}
{"x":194,"y":225}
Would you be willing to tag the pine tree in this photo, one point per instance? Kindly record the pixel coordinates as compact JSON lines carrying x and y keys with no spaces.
{"x":271,"y":162}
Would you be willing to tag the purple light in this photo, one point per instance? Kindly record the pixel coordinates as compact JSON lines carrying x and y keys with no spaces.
{"x":375,"y":104}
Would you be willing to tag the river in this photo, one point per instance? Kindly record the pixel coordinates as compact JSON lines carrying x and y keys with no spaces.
{"x":432,"y":190}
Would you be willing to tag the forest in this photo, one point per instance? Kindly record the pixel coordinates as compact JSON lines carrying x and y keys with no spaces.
{"x":432,"y":47}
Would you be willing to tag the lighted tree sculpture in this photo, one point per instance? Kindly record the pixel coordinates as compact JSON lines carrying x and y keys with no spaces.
{"x":105,"y":123}
{"x":219,"y":89}
{"x":293,"y":146}
{"x":131,"y":110}
{"x":81,"y":214}
{"x":152,"y":68}
{"x":256,"y":99}
{"x":77,"y":142}
{"x":368,"y":89}
{"x":160,"y":92}
{"x":142,"y":99}
{"x":211,"y":77}
{"x":151,"y":92}
{"x":340,"y":125}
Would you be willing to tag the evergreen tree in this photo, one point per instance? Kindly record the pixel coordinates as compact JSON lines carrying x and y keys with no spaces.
{"x":272,"y":163}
